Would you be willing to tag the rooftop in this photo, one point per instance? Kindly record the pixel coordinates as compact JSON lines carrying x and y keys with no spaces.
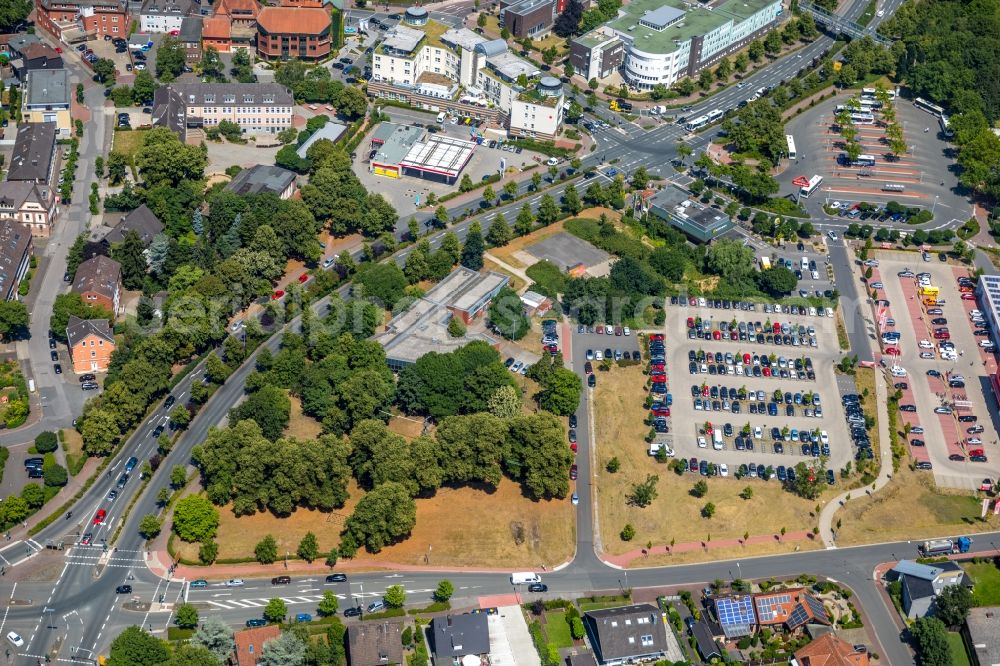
{"x":679,"y":23}
{"x":674,"y":205}
{"x":261,"y":178}
{"x":78,"y":330}
{"x":294,"y":20}
{"x":924,"y":571}
{"x":404,"y":39}
{"x":793,"y":608}
{"x":332,"y":131}
{"x":34,"y":149}
{"x":829,"y":650}
{"x":167,"y":7}
{"x":460,"y":635}
{"x":397,"y":140}
{"x":191,"y":27}
{"x":596,"y":37}
{"x":14,"y":193}
{"x":984,"y":632}
{"x":100,"y":275}
{"x":141,"y":220}
{"x":526,"y":6}
{"x":627,"y":632}
{"x":375,"y":643}
{"x":250,"y":642}
{"x":47,"y":87}
{"x":15,"y":242}
{"x":462,"y":37}
{"x":509,"y":66}
{"x":439,"y":154}
{"x":736,"y":615}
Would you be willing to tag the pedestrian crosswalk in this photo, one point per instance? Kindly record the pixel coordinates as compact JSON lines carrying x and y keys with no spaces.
{"x":230,"y":604}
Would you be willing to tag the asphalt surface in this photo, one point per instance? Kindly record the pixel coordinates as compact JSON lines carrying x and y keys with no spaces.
{"x":82,"y":611}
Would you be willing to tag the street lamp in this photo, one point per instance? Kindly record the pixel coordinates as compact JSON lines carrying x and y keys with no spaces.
{"x":935,"y":204}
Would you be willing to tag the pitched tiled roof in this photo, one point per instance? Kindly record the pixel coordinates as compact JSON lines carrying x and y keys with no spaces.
{"x":142,"y":221}
{"x":293,"y":20}
{"x":100,"y":275}
{"x":250,"y":642}
{"x":828,"y":650}
{"x":78,"y":330}
{"x":375,"y":643}
{"x":240,"y":7}
{"x":216,"y":27}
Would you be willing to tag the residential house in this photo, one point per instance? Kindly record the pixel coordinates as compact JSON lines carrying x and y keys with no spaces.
{"x":735,"y":614}
{"x":377,"y":643}
{"x":454,"y":636}
{"x":12,"y":44}
{"x":47,"y":99}
{"x":99,"y":282}
{"x":708,"y":647}
{"x":301,"y":33}
{"x":789,"y":609}
{"x":34,"y":153}
{"x":232,"y":26}
{"x":190,"y":37}
{"x":29,"y":203}
{"x":75,"y":20}
{"x":250,"y":643}
{"x":829,"y":650}
{"x":15,"y":257}
{"x":582,"y":658}
{"x":921,"y":583}
{"x":626,"y":634}
{"x":35,"y":56}
{"x":982,"y":632}
{"x":264,"y":179}
{"x":258,"y":108}
{"x":141,"y":220}
{"x":158,"y":16}
{"x":91,"y":343}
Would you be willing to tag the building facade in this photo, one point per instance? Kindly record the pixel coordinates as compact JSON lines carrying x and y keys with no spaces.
{"x":98,"y":281}
{"x":73,"y":20}
{"x":46,"y":99}
{"x":15,"y":257}
{"x":301,"y":33}
{"x":232,"y":26}
{"x":532,"y":19}
{"x":157,"y":16}
{"x":597,"y":54}
{"x":91,"y":343}
{"x":30,"y":204}
{"x":258,"y":108}
{"x":665,"y":41}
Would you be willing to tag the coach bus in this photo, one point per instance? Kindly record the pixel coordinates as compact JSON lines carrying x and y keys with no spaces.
{"x":714,"y":115}
{"x":790,"y":140}
{"x":696,"y":124}
{"x":922,"y":103}
{"x":863,"y":119}
{"x":862,"y":160}
{"x":873,"y":93}
{"x":814,"y":183}
{"x":946,"y":127}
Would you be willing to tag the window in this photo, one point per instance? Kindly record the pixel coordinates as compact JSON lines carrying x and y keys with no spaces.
{"x":209,"y":99}
{"x":248,"y":99}
{"x":229,"y":99}
{"x":93,"y":354}
{"x":647,"y":640}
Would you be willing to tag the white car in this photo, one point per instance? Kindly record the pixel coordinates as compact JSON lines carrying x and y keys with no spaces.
{"x":986,"y":344}
{"x":974,"y":440}
{"x":832,"y":235}
{"x":897,"y":371}
{"x":552,"y":161}
{"x":949,"y":356}
{"x":723,"y":469}
{"x":925,"y":344}
{"x":15,"y":638}
{"x":758,"y":433}
{"x":975,"y":314}
{"x":702,"y":443}
{"x":824,"y":437}
{"x":598,"y":355}
{"x":234,"y":582}
{"x":926,"y":354}
{"x":626,"y":330}
{"x":880,"y":13}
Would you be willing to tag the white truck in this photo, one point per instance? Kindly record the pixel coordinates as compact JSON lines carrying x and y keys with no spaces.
{"x":524,"y":577}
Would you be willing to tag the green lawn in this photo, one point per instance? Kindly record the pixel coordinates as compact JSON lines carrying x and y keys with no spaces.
{"x":557,"y":628}
{"x":986,"y":577}
{"x":129,"y":143}
{"x":959,"y":657}
{"x":597,"y":603}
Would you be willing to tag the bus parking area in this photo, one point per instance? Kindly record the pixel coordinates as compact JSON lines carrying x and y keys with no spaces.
{"x":822,"y":174}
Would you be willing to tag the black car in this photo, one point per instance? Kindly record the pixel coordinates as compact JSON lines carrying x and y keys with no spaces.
{"x":538,"y":587}
{"x":256,"y":622}
{"x":336,"y":578}
{"x":123,"y":589}
{"x":592,"y":381}
{"x":169,"y":402}
{"x":352,"y":612}
{"x":572,"y":420}
{"x":158,"y":430}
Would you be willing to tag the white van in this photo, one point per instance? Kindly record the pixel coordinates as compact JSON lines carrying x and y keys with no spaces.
{"x":524,"y":577}
{"x":829,"y":312}
{"x":717,"y":440}
{"x":804,"y":264}
{"x":441,"y":117}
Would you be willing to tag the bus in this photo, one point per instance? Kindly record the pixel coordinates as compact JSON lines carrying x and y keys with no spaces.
{"x":946,"y":127}
{"x":714,"y":115}
{"x":868,"y":104}
{"x":893,"y":187}
{"x":872,"y":92}
{"x":922,"y":103}
{"x":863,"y":118}
{"x":814,"y":183}
{"x":790,"y":140}
{"x":863,"y":160}
{"x":696,"y":124}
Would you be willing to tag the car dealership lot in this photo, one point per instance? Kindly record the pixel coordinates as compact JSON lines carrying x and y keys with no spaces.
{"x":689,"y":422}
{"x":944,"y":435}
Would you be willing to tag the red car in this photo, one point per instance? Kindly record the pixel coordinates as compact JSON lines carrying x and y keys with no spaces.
{"x":968,"y":297}
{"x":708,"y":429}
{"x":766,"y":372}
{"x":690,"y":324}
{"x":572,"y":447}
{"x":657,"y":337}
{"x":660,"y":412}
{"x":977,"y":452}
{"x":658,"y":367}
{"x":278,"y":294}
{"x":588,"y":368}
{"x":99,"y":516}
{"x":776,"y":328}
{"x":747,"y":358}
{"x":303,"y":278}
{"x":734,"y":336}
{"x":716,"y":335}
{"x":572,"y":472}
{"x":704,"y":390}
{"x":599,"y":329}
{"x":942,"y":336}
{"x":658,"y":378}
{"x":965,"y":289}
{"x":892,"y":351}
{"x":552,"y":349}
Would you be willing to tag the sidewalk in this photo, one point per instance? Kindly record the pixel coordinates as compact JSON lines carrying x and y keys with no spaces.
{"x":626,"y":559}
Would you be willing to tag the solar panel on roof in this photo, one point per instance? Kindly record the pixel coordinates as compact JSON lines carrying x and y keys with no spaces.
{"x":819,"y":611}
{"x":798,"y":617}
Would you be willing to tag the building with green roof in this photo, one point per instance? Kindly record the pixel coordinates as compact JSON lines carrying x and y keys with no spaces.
{"x":655,"y":42}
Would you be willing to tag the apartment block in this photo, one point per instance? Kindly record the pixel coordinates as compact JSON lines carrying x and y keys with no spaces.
{"x":258,"y":108}
{"x":70,"y":20}
{"x":46,"y":99}
{"x":301,"y":33}
{"x":158,"y":16}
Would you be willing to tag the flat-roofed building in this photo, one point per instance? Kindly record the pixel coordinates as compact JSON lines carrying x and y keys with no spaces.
{"x":702,"y":223}
{"x":264,"y":179}
{"x":597,"y":54}
{"x":403,"y":150}
{"x":46,"y":99}
{"x":528,"y":18}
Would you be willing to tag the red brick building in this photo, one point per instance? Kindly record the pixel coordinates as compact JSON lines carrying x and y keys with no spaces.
{"x":74,"y":19}
{"x":91,"y":343}
{"x":285,"y":33}
{"x":232,"y":26}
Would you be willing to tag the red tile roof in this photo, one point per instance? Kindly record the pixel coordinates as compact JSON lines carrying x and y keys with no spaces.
{"x":293,"y":20}
{"x":250,"y":642}
{"x":216,"y":27}
{"x":243,"y":7}
{"x":828,"y":650}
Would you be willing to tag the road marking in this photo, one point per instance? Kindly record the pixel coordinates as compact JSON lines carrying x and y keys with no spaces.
{"x":7,"y":610}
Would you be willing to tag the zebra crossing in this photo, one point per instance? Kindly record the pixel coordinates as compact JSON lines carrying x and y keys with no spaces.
{"x":231,"y":604}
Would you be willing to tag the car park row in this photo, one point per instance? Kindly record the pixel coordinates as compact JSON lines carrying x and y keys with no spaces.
{"x":749,"y":365}
{"x":745,"y":306}
{"x":722,"y":398}
{"x":792,"y":335}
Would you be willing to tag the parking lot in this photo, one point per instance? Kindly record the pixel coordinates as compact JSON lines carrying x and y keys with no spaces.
{"x":958,"y":384}
{"x":918,"y":178}
{"x":805,"y":421}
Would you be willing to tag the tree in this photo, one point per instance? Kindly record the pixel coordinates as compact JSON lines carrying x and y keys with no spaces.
{"x":135,"y":647}
{"x":755,"y":50}
{"x":456,"y":328}
{"x":308,"y":548}
{"x":953,"y":604}
{"x":525,"y":221}
{"x":104,"y":69}
{"x":195,"y":519}
{"x":164,"y":159}
{"x":385,"y":282}
{"x":724,"y":70}
{"x":150,"y":526}
{"x":506,"y":314}
{"x":498,"y":235}
{"x":13,"y":13}
{"x":170,"y":58}
{"x":548,"y":211}
{"x":54,"y":475}
{"x":705,"y":79}
{"x":643,"y":494}
{"x":285,"y":650}
{"x":700,"y":488}
{"x":46,"y":442}
{"x":33,"y":494}
{"x":395,"y":596}
{"x":772,"y":42}
{"x":266,"y":550}
{"x":472,"y":251}
{"x":143,"y":88}
{"x":505,"y":402}
{"x":328,"y":604}
{"x":130,"y":253}
{"x":777,"y":281}
{"x":72,"y":304}
{"x":568,"y":23}
{"x":192,"y":655}
{"x":571,"y":200}
{"x":628,"y":532}
{"x":14,"y":320}
{"x":746,"y":493}
{"x":269,"y":408}
{"x":444,"y":591}
{"x":931,"y":637}
{"x":382,"y":517}
{"x":708,"y":510}
{"x":216,"y":636}
{"x":276,"y":610}
{"x":187,"y":616}
{"x":481,"y":20}
{"x":561,"y":389}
